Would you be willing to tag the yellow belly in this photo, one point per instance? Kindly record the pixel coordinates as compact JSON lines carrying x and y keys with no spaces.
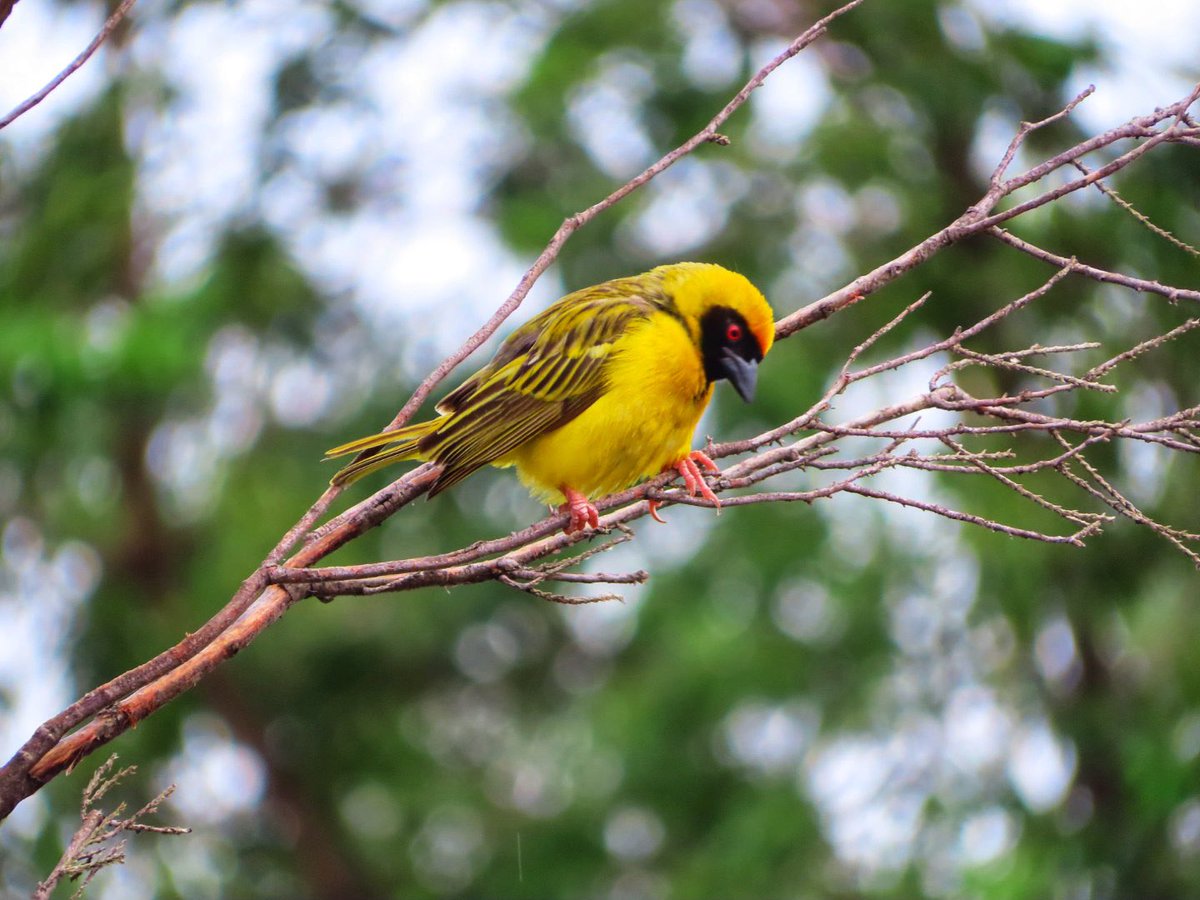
{"x":644,"y":421}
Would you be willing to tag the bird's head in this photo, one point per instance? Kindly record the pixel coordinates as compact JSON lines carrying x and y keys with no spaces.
{"x":729,"y":317}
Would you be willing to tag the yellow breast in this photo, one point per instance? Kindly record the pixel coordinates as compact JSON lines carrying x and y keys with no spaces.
{"x":643,"y":422}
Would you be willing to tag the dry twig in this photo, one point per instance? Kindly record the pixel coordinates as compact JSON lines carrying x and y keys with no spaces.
{"x":94,"y":845}
{"x":30,"y":102}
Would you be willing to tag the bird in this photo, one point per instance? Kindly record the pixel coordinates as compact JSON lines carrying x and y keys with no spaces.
{"x":598,"y":392}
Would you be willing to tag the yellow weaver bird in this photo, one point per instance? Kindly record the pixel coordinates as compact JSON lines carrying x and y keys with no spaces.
{"x":600,"y":391}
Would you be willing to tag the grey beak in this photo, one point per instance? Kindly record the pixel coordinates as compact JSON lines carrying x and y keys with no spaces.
{"x":742,"y":373}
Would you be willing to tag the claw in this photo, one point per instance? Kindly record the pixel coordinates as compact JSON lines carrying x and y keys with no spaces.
{"x":654,"y":505}
{"x":583,"y":513}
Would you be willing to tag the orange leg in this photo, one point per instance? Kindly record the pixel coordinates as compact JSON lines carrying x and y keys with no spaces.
{"x":693,"y":479}
{"x":583,"y":513}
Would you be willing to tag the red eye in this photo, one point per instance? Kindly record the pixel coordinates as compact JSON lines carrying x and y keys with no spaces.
{"x":733,"y":332}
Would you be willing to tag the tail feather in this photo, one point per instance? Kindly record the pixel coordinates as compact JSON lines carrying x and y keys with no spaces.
{"x":408,"y":433}
{"x":371,"y":458}
{"x":365,"y":466}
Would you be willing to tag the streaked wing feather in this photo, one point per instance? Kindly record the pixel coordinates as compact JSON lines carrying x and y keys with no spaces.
{"x":549,"y":371}
{"x":545,"y":373}
{"x":464,"y":459}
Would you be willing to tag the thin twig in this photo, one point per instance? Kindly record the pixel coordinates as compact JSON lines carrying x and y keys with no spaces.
{"x":1006,"y":361}
{"x":1138,"y":284}
{"x":1109,"y":495}
{"x":1144,"y":347}
{"x":109,"y":25}
{"x":1076,"y":539}
{"x":1027,"y":128}
{"x":1141,"y":217}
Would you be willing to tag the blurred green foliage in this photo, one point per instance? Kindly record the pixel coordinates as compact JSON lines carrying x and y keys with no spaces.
{"x":710,"y":737}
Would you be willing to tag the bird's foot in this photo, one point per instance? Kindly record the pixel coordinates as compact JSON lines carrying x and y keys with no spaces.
{"x":583,"y":513}
{"x":693,"y":479}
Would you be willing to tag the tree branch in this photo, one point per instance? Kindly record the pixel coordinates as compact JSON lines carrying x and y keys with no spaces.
{"x":804,"y":444}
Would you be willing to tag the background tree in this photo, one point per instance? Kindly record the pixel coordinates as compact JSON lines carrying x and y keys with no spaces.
{"x":204,"y":285}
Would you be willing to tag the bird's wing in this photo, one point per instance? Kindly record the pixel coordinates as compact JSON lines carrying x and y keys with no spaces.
{"x":548,"y":372}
